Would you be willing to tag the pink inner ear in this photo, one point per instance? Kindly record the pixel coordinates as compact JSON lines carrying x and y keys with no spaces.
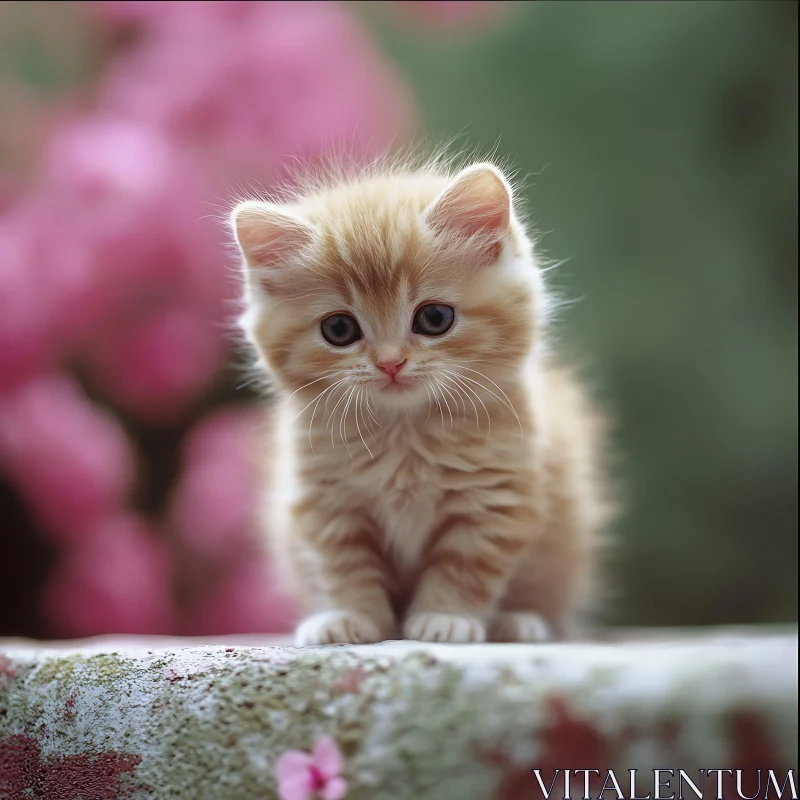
{"x":276,"y":244}
{"x":478,"y":203}
{"x":267,"y":237}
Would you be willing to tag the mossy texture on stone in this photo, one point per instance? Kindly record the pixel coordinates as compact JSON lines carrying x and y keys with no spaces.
{"x":412,"y":721}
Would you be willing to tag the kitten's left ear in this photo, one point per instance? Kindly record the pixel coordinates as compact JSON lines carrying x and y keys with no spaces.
{"x":476,"y":203}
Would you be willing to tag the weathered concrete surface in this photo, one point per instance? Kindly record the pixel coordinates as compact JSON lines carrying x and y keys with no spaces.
{"x":177,"y":719}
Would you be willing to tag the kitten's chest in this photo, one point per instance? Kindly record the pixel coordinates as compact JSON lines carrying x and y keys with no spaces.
{"x":403,"y":489}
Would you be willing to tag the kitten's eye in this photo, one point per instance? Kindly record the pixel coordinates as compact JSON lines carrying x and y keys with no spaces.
{"x":340,"y":330}
{"x":433,"y":319}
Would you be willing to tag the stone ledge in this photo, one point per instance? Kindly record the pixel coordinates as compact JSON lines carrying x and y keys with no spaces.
{"x":157,"y":719}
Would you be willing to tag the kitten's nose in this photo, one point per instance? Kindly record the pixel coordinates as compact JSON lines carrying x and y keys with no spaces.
{"x":390,"y":366}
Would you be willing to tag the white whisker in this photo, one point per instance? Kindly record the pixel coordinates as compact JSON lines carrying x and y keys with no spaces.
{"x":333,"y":414}
{"x":314,"y":410}
{"x":462,"y":394}
{"x":369,"y":410}
{"x":358,"y":427}
{"x":507,"y":403}
{"x":328,"y":374}
{"x":460,"y":378}
{"x":445,"y":389}
{"x":342,"y":421}
{"x":317,"y":397}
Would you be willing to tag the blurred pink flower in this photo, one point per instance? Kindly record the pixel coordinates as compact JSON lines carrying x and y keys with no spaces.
{"x":255,"y":82}
{"x":118,"y":581}
{"x":248,"y":600}
{"x":148,"y":15}
{"x":213,"y":509}
{"x":59,"y":270}
{"x":230,"y":430}
{"x":303,"y":776}
{"x":154,"y":367}
{"x":24,"y":319}
{"x":133,"y":196}
{"x":102,"y":160}
{"x":68,"y":458}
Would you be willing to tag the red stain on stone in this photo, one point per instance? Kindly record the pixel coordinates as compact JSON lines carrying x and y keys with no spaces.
{"x":69,"y":706}
{"x":670,"y":732}
{"x":752,"y":749}
{"x":568,"y":743}
{"x":351,"y":682}
{"x":26,"y":775}
{"x":7,"y":668}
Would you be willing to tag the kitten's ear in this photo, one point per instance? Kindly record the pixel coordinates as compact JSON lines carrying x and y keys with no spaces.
{"x":269,"y":234}
{"x":477,"y":202}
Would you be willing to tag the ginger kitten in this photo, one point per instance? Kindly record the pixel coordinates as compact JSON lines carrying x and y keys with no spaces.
{"x":435,"y":475}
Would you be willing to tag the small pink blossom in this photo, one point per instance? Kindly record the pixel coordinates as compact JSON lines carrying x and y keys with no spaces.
{"x":302,"y":776}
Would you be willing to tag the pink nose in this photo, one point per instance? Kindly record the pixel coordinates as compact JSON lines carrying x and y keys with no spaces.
{"x":391,"y":368}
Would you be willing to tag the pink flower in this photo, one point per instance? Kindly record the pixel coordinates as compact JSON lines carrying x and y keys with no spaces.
{"x":213,"y":507}
{"x":302,"y":776}
{"x":248,"y":82}
{"x":156,"y":367}
{"x":68,"y":457}
{"x":118,"y":580}
{"x":227,"y":431}
{"x":24,"y":318}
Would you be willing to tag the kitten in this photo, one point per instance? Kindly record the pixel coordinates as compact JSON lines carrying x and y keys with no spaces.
{"x":436,"y":475}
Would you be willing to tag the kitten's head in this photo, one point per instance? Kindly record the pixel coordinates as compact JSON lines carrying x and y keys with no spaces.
{"x":405,"y":285}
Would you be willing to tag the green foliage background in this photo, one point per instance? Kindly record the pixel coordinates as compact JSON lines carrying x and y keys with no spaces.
{"x":659,"y":146}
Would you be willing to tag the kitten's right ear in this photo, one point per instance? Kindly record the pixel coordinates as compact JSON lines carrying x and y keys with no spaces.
{"x":268,"y":235}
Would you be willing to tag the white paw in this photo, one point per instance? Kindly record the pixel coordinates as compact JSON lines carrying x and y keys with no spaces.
{"x":337,"y":627}
{"x":519,"y":626}
{"x":444,"y":628}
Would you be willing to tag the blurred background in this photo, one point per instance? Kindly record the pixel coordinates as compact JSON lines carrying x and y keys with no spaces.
{"x":658,"y":145}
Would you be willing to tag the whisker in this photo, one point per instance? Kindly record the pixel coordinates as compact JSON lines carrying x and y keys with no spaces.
{"x":445,"y":389}
{"x":358,"y":427}
{"x":462,"y":394}
{"x":333,"y":414}
{"x":317,"y":397}
{"x":429,"y":401}
{"x":458,"y":395}
{"x":438,"y":404}
{"x":367,"y":417}
{"x":369,"y":410}
{"x":460,"y":378}
{"x":508,"y":403}
{"x":314,"y":410}
{"x":328,"y":374}
{"x":561,"y":263}
{"x":342,"y":421}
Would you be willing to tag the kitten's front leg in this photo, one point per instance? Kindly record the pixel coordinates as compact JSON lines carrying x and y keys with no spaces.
{"x":337,"y":560}
{"x":468,"y":568}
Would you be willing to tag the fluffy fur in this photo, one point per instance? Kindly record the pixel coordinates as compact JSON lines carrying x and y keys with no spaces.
{"x":463,"y":500}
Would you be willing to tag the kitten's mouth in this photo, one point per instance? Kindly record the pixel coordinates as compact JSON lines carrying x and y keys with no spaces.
{"x":396,"y":386}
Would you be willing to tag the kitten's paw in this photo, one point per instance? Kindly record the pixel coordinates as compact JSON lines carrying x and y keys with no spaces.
{"x":429,"y":627}
{"x":519,"y":626}
{"x":338,"y":627}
